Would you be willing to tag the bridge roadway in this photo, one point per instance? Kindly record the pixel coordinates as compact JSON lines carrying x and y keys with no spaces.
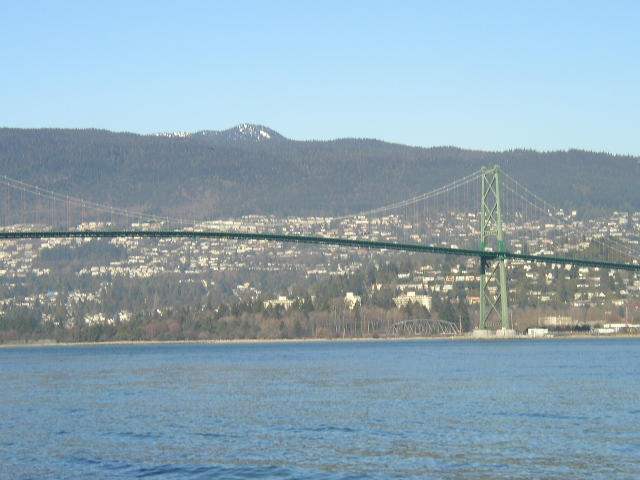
{"x":342,"y":242}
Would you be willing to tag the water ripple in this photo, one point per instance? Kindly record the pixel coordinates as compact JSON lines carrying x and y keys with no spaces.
{"x":343,"y":410}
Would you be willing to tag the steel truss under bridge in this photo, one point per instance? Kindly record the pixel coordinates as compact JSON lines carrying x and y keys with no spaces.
{"x":424,"y":327}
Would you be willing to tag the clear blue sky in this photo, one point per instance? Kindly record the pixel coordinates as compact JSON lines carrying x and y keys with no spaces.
{"x":489,"y":75}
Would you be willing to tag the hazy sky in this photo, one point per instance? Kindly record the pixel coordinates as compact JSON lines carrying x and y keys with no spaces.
{"x":487,"y":75}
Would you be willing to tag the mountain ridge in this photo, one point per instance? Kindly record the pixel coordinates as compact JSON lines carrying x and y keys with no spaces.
{"x":252,"y":169}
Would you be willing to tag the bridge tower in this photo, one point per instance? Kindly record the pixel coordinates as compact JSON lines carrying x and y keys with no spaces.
{"x":494,"y":311}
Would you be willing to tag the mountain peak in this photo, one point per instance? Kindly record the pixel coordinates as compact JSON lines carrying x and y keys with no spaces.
{"x":244,"y":131}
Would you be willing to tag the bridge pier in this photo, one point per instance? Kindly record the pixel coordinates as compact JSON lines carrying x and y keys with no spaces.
{"x":500,"y":333}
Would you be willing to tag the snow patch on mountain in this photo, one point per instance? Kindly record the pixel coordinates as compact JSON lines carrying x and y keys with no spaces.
{"x":247,"y":131}
{"x":174,"y":135}
{"x":244,"y":131}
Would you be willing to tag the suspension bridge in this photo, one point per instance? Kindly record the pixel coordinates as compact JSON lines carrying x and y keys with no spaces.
{"x":487,"y":215}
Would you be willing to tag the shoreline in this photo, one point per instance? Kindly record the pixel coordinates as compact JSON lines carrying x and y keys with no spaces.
{"x":211,"y":342}
{"x":304,"y":340}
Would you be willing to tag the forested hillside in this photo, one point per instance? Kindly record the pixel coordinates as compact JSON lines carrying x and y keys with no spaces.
{"x":211,"y":175}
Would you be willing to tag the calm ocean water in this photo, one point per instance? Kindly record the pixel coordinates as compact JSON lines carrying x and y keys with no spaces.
{"x":566,"y":409}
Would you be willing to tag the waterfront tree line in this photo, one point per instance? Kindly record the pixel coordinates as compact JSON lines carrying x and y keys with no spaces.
{"x":232,"y":305}
{"x":180,"y":307}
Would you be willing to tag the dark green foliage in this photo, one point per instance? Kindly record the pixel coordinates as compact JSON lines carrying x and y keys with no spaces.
{"x":462,"y":312}
{"x":580,"y":328}
{"x":86,"y":252}
{"x":447,"y":311}
{"x":22,"y":320}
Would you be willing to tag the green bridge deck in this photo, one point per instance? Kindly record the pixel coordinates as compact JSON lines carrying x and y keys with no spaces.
{"x":341,"y":242}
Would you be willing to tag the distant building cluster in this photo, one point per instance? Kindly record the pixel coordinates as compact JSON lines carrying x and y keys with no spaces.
{"x":151,"y":257}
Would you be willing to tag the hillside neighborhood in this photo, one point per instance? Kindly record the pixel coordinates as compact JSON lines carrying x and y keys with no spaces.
{"x":542,"y":295}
